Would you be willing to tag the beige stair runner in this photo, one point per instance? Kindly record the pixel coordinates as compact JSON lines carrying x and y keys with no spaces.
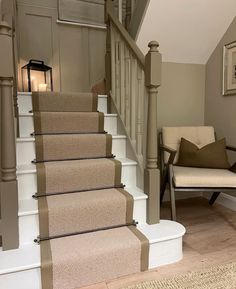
{"x":72,"y":146}
{"x":68,"y":122}
{"x":102,"y":203}
{"x":85,"y":215}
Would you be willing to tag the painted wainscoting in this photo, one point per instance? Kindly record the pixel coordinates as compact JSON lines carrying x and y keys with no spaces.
{"x":76,"y":53}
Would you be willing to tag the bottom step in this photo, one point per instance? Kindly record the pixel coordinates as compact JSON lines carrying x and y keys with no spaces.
{"x":21,"y":268}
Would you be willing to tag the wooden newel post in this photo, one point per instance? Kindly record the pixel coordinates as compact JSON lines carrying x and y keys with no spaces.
{"x":8,"y":188}
{"x":152,"y":173}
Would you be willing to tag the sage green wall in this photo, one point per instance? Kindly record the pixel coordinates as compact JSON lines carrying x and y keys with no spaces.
{"x":75,"y":53}
{"x":220,"y":111}
{"x":182,"y":95}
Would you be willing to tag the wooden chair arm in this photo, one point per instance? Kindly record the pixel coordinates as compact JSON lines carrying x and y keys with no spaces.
{"x":231,"y":148}
{"x":171,"y":151}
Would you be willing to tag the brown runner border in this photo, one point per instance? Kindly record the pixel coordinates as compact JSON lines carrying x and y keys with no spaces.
{"x":117,"y":177}
{"x":129,"y":205}
{"x":43,"y":217}
{"x":46,"y":265}
{"x":35,"y":101}
{"x":144,"y":247}
{"x":95,"y":102}
{"x":39,"y":147}
{"x":100,"y":121}
{"x":108,"y":144}
{"x":37,"y":122}
{"x":41,"y":178}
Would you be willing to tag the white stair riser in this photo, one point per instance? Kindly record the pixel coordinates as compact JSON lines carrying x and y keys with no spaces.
{"x":25,"y":150}
{"x":166,"y":252}
{"x":119,"y":147}
{"x":102,"y":104}
{"x":25,"y":103}
{"x":28,"y":229}
{"x":28,"y":279}
{"x":160,"y":253}
{"x":27,"y":125}
{"x":27,"y":183}
{"x":128,"y":175}
{"x":29,"y":225}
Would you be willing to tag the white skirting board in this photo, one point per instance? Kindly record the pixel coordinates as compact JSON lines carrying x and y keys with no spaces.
{"x":225,"y":200}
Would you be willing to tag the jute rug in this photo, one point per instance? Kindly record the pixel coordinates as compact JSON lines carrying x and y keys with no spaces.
{"x":217,"y":277}
{"x":85,"y":216}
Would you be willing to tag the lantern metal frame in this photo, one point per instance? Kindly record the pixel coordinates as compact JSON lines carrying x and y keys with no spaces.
{"x":37,"y":65}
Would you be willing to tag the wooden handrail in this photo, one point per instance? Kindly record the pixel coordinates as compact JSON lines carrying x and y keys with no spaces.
{"x":137,"y":18}
{"x":125,"y":35}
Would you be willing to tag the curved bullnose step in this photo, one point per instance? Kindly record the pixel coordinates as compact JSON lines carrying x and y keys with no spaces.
{"x":81,"y":260}
{"x":21,"y":268}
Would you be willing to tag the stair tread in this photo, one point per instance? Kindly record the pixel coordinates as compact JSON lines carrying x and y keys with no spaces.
{"x":31,"y":168}
{"x":30,"y":206}
{"x":165,"y":230}
{"x":28,"y":256}
{"x":21,"y":93}
{"x":30,"y":114}
{"x":32,"y":139}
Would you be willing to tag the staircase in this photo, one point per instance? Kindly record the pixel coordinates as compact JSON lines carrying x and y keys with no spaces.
{"x":66,"y":220}
{"x":20,"y":268}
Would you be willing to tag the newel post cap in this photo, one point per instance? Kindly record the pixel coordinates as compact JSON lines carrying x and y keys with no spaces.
{"x":153,"y":61}
{"x":153,"y":45}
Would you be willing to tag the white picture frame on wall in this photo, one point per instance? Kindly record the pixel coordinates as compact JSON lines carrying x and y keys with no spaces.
{"x":229,"y":69}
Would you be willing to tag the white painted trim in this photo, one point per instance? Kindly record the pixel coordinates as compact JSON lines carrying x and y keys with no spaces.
{"x":19,"y":93}
{"x":31,"y":114}
{"x":103,"y":27}
{"x":32,"y":139}
{"x":224,"y":200}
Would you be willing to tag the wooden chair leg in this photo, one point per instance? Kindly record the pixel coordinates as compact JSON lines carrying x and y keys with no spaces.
{"x":172,"y":195}
{"x":172,"y":201}
{"x":163,"y":187}
{"x":214,"y":197}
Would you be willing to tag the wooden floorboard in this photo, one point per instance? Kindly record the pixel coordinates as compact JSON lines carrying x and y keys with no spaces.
{"x":210,"y":240}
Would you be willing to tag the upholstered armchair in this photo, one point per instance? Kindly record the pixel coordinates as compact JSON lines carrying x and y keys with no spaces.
{"x":191,"y":179}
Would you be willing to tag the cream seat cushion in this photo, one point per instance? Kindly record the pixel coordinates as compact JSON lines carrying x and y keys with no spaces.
{"x":201,"y":177}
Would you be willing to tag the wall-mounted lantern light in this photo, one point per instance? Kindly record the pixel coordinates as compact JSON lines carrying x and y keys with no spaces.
{"x":36,"y":76}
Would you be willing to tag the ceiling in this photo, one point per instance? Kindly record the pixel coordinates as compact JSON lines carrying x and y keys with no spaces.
{"x":188,"y":30}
